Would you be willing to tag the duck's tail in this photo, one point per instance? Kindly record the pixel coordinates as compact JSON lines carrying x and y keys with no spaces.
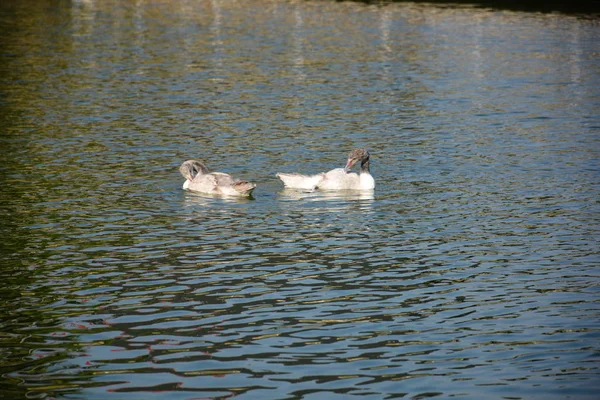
{"x":245,"y":188}
{"x":297,"y":181}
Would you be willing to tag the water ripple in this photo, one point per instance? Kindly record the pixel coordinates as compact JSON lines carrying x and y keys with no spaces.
{"x":471,"y":270}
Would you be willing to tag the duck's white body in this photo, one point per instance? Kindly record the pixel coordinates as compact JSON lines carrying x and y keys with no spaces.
{"x":199,"y":179}
{"x":336,"y":179}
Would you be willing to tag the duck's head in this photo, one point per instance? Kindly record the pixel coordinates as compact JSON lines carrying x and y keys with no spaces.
{"x":190,"y":168}
{"x":355,"y":156}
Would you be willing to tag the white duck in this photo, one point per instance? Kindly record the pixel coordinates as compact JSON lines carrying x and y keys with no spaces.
{"x":336,"y":179}
{"x":199,"y":179}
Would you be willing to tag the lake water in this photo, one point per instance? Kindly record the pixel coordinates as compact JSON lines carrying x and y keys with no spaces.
{"x":471,"y":272}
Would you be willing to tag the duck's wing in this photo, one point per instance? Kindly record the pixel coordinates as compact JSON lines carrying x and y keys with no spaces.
{"x":298,"y":181}
{"x":228,"y":185}
{"x":222,"y":179}
{"x":204,"y":183}
{"x":339,"y":179}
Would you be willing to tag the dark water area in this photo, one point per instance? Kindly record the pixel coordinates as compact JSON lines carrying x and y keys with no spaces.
{"x":470,"y":272}
{"x":582,"y":8}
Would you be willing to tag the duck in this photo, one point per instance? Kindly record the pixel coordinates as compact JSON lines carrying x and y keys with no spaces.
{"x":336,"y":179}
{"x":198,"y":178}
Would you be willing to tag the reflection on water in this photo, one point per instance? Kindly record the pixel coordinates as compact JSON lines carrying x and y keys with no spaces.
{"x":346,"y":195}
{"x":471,"y":271}
{"x":198,"y":199}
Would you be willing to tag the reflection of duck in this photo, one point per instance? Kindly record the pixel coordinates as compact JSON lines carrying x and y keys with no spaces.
{"x":199,"y":179}
{"x":342,"y":196}
{"x":336,"y":179}
{"x":331,"y":201}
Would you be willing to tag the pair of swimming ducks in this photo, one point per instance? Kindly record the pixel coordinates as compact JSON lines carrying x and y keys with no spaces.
{"x":199,"y":179}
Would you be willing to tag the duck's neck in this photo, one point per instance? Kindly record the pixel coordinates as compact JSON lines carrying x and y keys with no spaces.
{"x":201,"y":169}
{"x":364,"y":167}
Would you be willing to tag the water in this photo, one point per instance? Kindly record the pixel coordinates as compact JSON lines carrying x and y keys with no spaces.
{"x":471,"y":272}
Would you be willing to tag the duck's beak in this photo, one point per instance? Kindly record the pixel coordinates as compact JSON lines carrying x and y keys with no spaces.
{"x":349,"y":164}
